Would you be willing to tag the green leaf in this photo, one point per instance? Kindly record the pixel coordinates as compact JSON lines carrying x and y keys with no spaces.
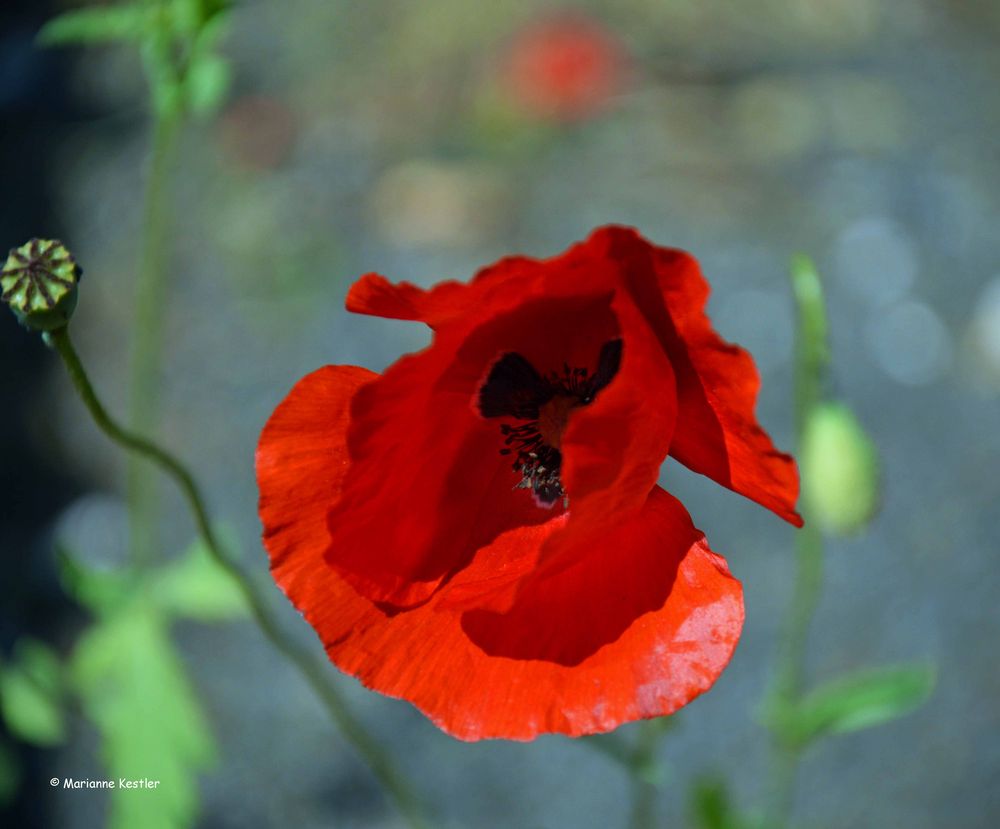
{"x":195,"y":586}
{"x":100,"y":591}
{"x":186,"y":16}
{"x":31,"y":691}
{"x":207,"y":82}
{"x":212,"y":31}
{"x":133,"y":687}
{"x":208,"y":74}
{"x":857,"y":701}
{"x":191,"y":17}
{"x":10,"y":774}
{"x":96,"y":25}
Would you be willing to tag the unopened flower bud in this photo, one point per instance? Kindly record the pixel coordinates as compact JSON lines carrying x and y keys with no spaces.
{"x":39,"y":283}
{"x":840,"y":478}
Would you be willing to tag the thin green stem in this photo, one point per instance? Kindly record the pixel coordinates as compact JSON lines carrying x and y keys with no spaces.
{"x":811,"y":355}
{"x":644,"y":771}
{"x":643,"y":805}
{"x":811,"y":349}
{"x":149,"y":309}
{"x":643,"y":814}
{"x":316,"y":672}
{"x":791,"y":670}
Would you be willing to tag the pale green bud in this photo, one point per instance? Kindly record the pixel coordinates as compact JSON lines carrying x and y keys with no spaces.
{"x":839,"y":466}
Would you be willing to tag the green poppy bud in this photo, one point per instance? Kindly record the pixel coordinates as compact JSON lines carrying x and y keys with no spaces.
{"x":840,"y":478}
{"x":39,"y":282}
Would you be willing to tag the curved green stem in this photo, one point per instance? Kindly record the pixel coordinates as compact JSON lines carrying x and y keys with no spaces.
{"x":316,"y":672}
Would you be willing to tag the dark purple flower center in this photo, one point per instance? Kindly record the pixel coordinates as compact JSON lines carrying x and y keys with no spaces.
{"x":542,"y":405}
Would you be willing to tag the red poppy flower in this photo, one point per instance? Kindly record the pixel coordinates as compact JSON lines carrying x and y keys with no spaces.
{"x":564,"y":66}
{"x":479,"y":530}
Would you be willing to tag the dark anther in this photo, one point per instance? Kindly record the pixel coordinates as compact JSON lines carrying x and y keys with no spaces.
{"x":514,"y":389}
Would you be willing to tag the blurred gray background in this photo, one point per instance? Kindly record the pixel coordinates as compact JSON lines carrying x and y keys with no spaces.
{"x":389,"y":136}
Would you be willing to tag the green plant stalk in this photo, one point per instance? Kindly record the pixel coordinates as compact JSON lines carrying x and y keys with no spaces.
{"x":811,"y":357}
{"x":646,"y":771}
{"x":811,"y":348}
{"x":644,"y":790}
{"x":643,"y":814}
{"x":149,"y":309}
{"x":791,"y":671}
{"x":315,"y":672}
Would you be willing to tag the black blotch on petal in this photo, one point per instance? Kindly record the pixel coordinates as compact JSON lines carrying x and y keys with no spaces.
{"x":513,"y":389}
{"x":608,"y":363}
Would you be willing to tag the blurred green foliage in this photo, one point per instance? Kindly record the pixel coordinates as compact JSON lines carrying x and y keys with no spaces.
{"x":839,"y":475}
{"x":31,"y":694}
{"x":855,"y":701}
{"x":134,"y":689}
{"x":178,"y":40}
{"x":195,"y":587}
{"x":131,"y":683}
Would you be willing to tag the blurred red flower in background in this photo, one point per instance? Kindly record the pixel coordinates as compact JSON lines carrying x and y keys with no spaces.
{"x":565,"y":66}
{"x":479,"y":530}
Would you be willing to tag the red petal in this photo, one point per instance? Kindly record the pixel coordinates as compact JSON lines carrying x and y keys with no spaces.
{"x":605,"y":583}
{"x":373,"y":294}
{"x":499,"y":287}
{"x":658,"y":647}
{"x":305,"y":435}
{"x":613,"y":448}
{"x":716,"y":433}
{"x":428,"y":485}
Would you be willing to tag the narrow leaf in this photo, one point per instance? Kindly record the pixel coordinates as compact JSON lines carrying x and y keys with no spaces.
{"x":858,"y":701}
{"x":95,"y":25}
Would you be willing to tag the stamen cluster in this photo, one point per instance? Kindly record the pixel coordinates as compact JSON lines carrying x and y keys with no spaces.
{"x":515,"y":389}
